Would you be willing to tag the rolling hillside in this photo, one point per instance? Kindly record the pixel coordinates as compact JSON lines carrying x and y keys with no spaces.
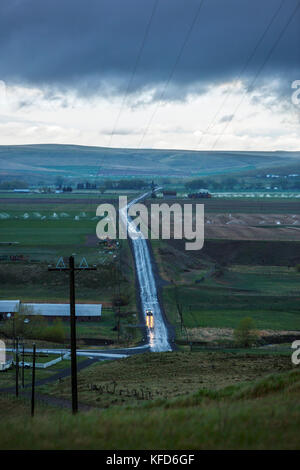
{"x":72,"y":160}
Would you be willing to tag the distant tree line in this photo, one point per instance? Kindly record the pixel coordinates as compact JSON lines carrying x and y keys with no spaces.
{"x":86,"y":185}
{"x":226,"y":183}
{"x":13,"y":184}
{"x":113,"y":184}
{"x":125,"y":184}
{"x":244,"y":183}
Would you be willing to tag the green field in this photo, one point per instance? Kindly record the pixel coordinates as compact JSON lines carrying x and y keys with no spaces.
{"x":210,"y":308}
{"x":213,"y":295}
{"x":33,"y":233}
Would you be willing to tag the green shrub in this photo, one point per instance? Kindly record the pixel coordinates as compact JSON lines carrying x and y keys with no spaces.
{"x":244,"y":333}
{"x":55,"y":332}
{"x":36,"y":328}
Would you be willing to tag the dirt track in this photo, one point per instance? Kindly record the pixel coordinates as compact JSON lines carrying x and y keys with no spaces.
{"x":253,"y":219}
{"x":255,"y":206}
{"x":253,"y":226}
{"x":252,"y":233}
{"x":245,"y":206}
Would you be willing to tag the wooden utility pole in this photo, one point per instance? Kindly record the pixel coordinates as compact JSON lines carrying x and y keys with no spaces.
{"x":14,"y":332}
{"x":71,"y":269}
{"x":23,"y":356}
{"x":73,"y":336}
{"x":33,"y":381}
{"x":119,"y":324}
{"x":17,"y":368}
{"x":178,"y":305}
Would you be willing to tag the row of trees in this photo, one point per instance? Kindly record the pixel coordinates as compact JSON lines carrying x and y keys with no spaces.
{"x":232,"y":183}
{"x":125,"y":184}
{"x":13,"y":184}
{"x":86,"y":185}
{"x":105,"y":185}
{"x":37,"y":328}
{"x":199,"y":183}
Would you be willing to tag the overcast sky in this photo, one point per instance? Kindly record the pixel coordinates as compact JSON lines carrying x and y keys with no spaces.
{"x":190,"y":74}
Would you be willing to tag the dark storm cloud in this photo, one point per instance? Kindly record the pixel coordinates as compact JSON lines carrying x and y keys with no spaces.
{"x":92,"y":45}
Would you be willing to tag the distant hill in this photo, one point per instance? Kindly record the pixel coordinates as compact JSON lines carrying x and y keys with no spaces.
{"x":80,"y":161}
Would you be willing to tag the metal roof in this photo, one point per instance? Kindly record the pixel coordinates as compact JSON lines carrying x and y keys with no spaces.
{"x":63,"y":310}
{"x":9,"y":306}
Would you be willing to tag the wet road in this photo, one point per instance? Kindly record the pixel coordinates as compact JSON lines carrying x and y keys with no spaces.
{"x":158,"y":337}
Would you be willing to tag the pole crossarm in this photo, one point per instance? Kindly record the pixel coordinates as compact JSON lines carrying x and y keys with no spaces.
{"x":75,"y":269}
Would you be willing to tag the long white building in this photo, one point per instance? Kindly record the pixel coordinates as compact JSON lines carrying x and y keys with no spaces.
{"x":84,"y":312}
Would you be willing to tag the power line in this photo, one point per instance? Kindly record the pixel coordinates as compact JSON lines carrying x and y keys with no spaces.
{"x":229,"y":93}
{"x":187,"y":37}
{"x":138,"y":58}
{"x":258,"y":72}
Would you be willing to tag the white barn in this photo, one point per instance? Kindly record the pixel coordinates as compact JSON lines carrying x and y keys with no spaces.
{"x":8,"y":307}
{"x":83,"y":312}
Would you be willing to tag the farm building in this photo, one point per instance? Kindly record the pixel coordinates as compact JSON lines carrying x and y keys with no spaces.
{"x":84,"y":312}
{"x":21,"y":190}
{"x":202,"y":194}
{"x":8,"y":307}
{"x":169,"y":193}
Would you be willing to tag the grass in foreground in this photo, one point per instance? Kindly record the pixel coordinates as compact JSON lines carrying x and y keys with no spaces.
{"x":261,"y":415}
